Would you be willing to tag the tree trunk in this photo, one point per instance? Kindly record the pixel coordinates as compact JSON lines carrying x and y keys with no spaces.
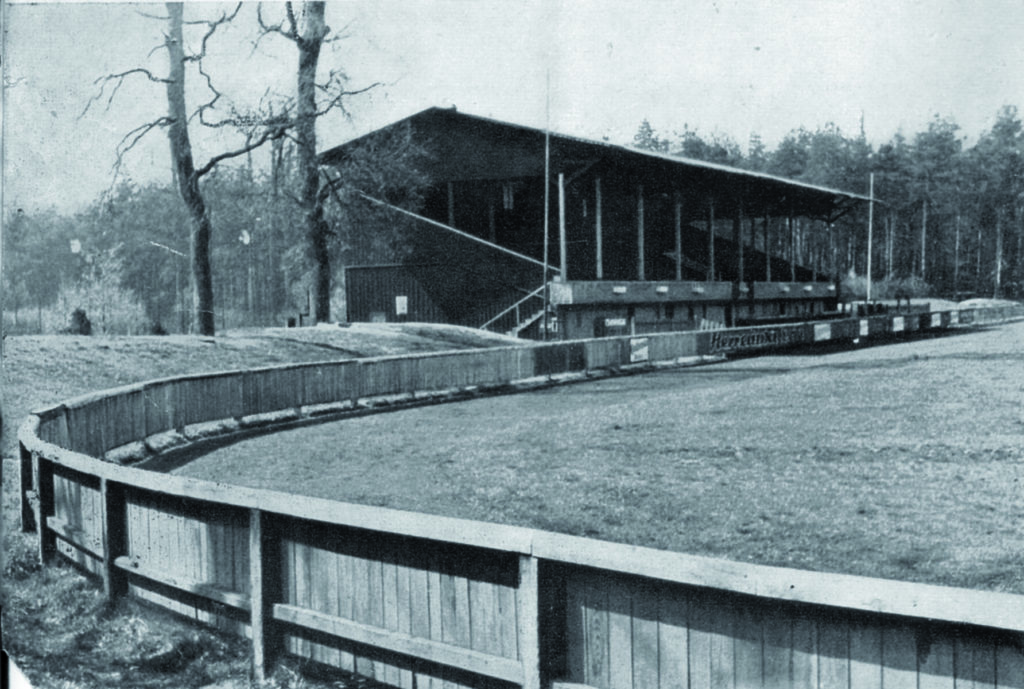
{"x":311,"y":37}
{"x":185,"y":174}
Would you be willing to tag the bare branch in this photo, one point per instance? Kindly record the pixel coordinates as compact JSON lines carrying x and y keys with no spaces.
{"x":118,"y":80}
{"x":290,"y":33}
{"x":336,"y":102}
{"x":250,"y":145}
{"x":151,"y":16}
{"x":211,"y":28}
{"x":133,"y":137}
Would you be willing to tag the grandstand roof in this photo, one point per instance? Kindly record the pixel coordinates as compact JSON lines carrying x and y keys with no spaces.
{"x":465,"y":146}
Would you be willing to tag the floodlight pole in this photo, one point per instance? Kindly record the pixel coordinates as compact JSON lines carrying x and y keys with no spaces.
{"x":871,"y":221}
{"x":547,"y":200}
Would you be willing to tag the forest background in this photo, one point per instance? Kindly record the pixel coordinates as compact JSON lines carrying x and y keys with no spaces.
{"x":951,"y":225}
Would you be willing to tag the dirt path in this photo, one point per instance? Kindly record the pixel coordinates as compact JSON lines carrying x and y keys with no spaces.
{"x":903,"y":461}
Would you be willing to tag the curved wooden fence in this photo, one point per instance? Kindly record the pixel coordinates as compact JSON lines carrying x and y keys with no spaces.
{"x":419,"y":601}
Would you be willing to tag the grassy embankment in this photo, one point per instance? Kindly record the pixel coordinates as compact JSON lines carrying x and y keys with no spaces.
{"x":56,"y":625}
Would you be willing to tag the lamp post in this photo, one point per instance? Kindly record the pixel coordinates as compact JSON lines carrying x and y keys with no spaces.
{"x":177,"y":282}
{"x":871,"y":222}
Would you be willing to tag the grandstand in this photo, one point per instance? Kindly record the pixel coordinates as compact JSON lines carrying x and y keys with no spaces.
{"x":519,"y":223}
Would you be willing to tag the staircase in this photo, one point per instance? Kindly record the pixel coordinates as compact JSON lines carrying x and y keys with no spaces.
{"x":513,"y":315}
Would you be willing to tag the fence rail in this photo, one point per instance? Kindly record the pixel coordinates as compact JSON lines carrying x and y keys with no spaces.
{"x":440,"y":602}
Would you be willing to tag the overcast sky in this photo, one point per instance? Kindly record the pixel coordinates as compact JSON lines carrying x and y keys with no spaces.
{"x":730,"y":67}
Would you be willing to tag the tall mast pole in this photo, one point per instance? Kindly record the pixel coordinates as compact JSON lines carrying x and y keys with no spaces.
{"x":547,"y":194}
{"x":871,"y":222}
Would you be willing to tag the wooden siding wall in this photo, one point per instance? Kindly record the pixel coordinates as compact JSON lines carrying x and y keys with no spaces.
{"x":457,"y":607}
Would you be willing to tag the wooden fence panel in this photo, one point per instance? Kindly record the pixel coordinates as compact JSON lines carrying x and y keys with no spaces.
{"x":78,"y":518}
{"x":629,"y":633}
{"x":461,"y":597}
{"x":125,"y":418}
{"x":673,"y":346}
{"x":273,"y":389}
{"x":159,"y":407}
{"x":172,"y":543}
{"x":603,"y":354}
{"x":86,"y":425}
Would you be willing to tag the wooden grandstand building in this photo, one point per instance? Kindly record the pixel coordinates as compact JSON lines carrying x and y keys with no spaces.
{"x":611,"y":239}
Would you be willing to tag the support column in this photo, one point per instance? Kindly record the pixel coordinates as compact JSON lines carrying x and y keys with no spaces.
{"x":767,"y":249}
{"x":599,"y":256}
{"x":42,"y":479}
{"x":792,"y":249}
{"x":115,"y":538}
{"x":451,"y":204}
{"x":753,"y":240}
{"x":679,"y":236}
{"x":737,"y":238}
{"x":711,"y":241}
{"x":528,"y":619}
{"x":563,"y":256}
{"x":264,"y":590}
{"x":28,"y":515}
{"x":640,"y":233}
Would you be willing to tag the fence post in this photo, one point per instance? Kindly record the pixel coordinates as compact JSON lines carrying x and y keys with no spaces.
{"x":528,"y":614}
{"x":264,"y":590}
{"x":115,"y":537}
{"x":28,"y":515}
{"x":42,"y":478}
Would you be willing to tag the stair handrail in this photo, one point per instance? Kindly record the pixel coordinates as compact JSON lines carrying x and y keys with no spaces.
{"x":532,"y":295}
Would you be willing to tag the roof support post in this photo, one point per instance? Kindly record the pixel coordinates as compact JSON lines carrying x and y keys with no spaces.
{"x":767,"y":249}
{"x":792,"y":248}
{"x":640,"y":233}
{"x":737,"y":238}
{"x":563,"y":258}
{"x":711,"y":240}
{"x":679,"y":236}
{"x":491,"y":233}
{"x":599,"y":256}
{"x":753,"y":242}
{"x":451,"y":204}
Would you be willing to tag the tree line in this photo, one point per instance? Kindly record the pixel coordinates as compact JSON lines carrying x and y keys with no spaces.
{"x":949,"y":219}
{"x":124,"y":260}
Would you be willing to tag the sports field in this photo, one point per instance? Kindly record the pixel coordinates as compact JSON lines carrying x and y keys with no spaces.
{"x":903,"y":461}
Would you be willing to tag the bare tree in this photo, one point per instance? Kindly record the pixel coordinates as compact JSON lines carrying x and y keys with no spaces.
{"x":308,"y":30}
{"x":257,"y":131}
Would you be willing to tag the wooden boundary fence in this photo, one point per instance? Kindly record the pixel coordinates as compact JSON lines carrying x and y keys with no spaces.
{"x":419,"y":601}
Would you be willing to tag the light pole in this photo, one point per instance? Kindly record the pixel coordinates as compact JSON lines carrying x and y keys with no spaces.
{"x":177,"y":282}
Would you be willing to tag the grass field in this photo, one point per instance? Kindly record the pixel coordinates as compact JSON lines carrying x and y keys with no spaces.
{"x":902,"y":461}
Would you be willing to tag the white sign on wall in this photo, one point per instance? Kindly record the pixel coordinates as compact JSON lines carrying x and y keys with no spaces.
{"x":401,"y":306}
{"x":639,"y":350}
